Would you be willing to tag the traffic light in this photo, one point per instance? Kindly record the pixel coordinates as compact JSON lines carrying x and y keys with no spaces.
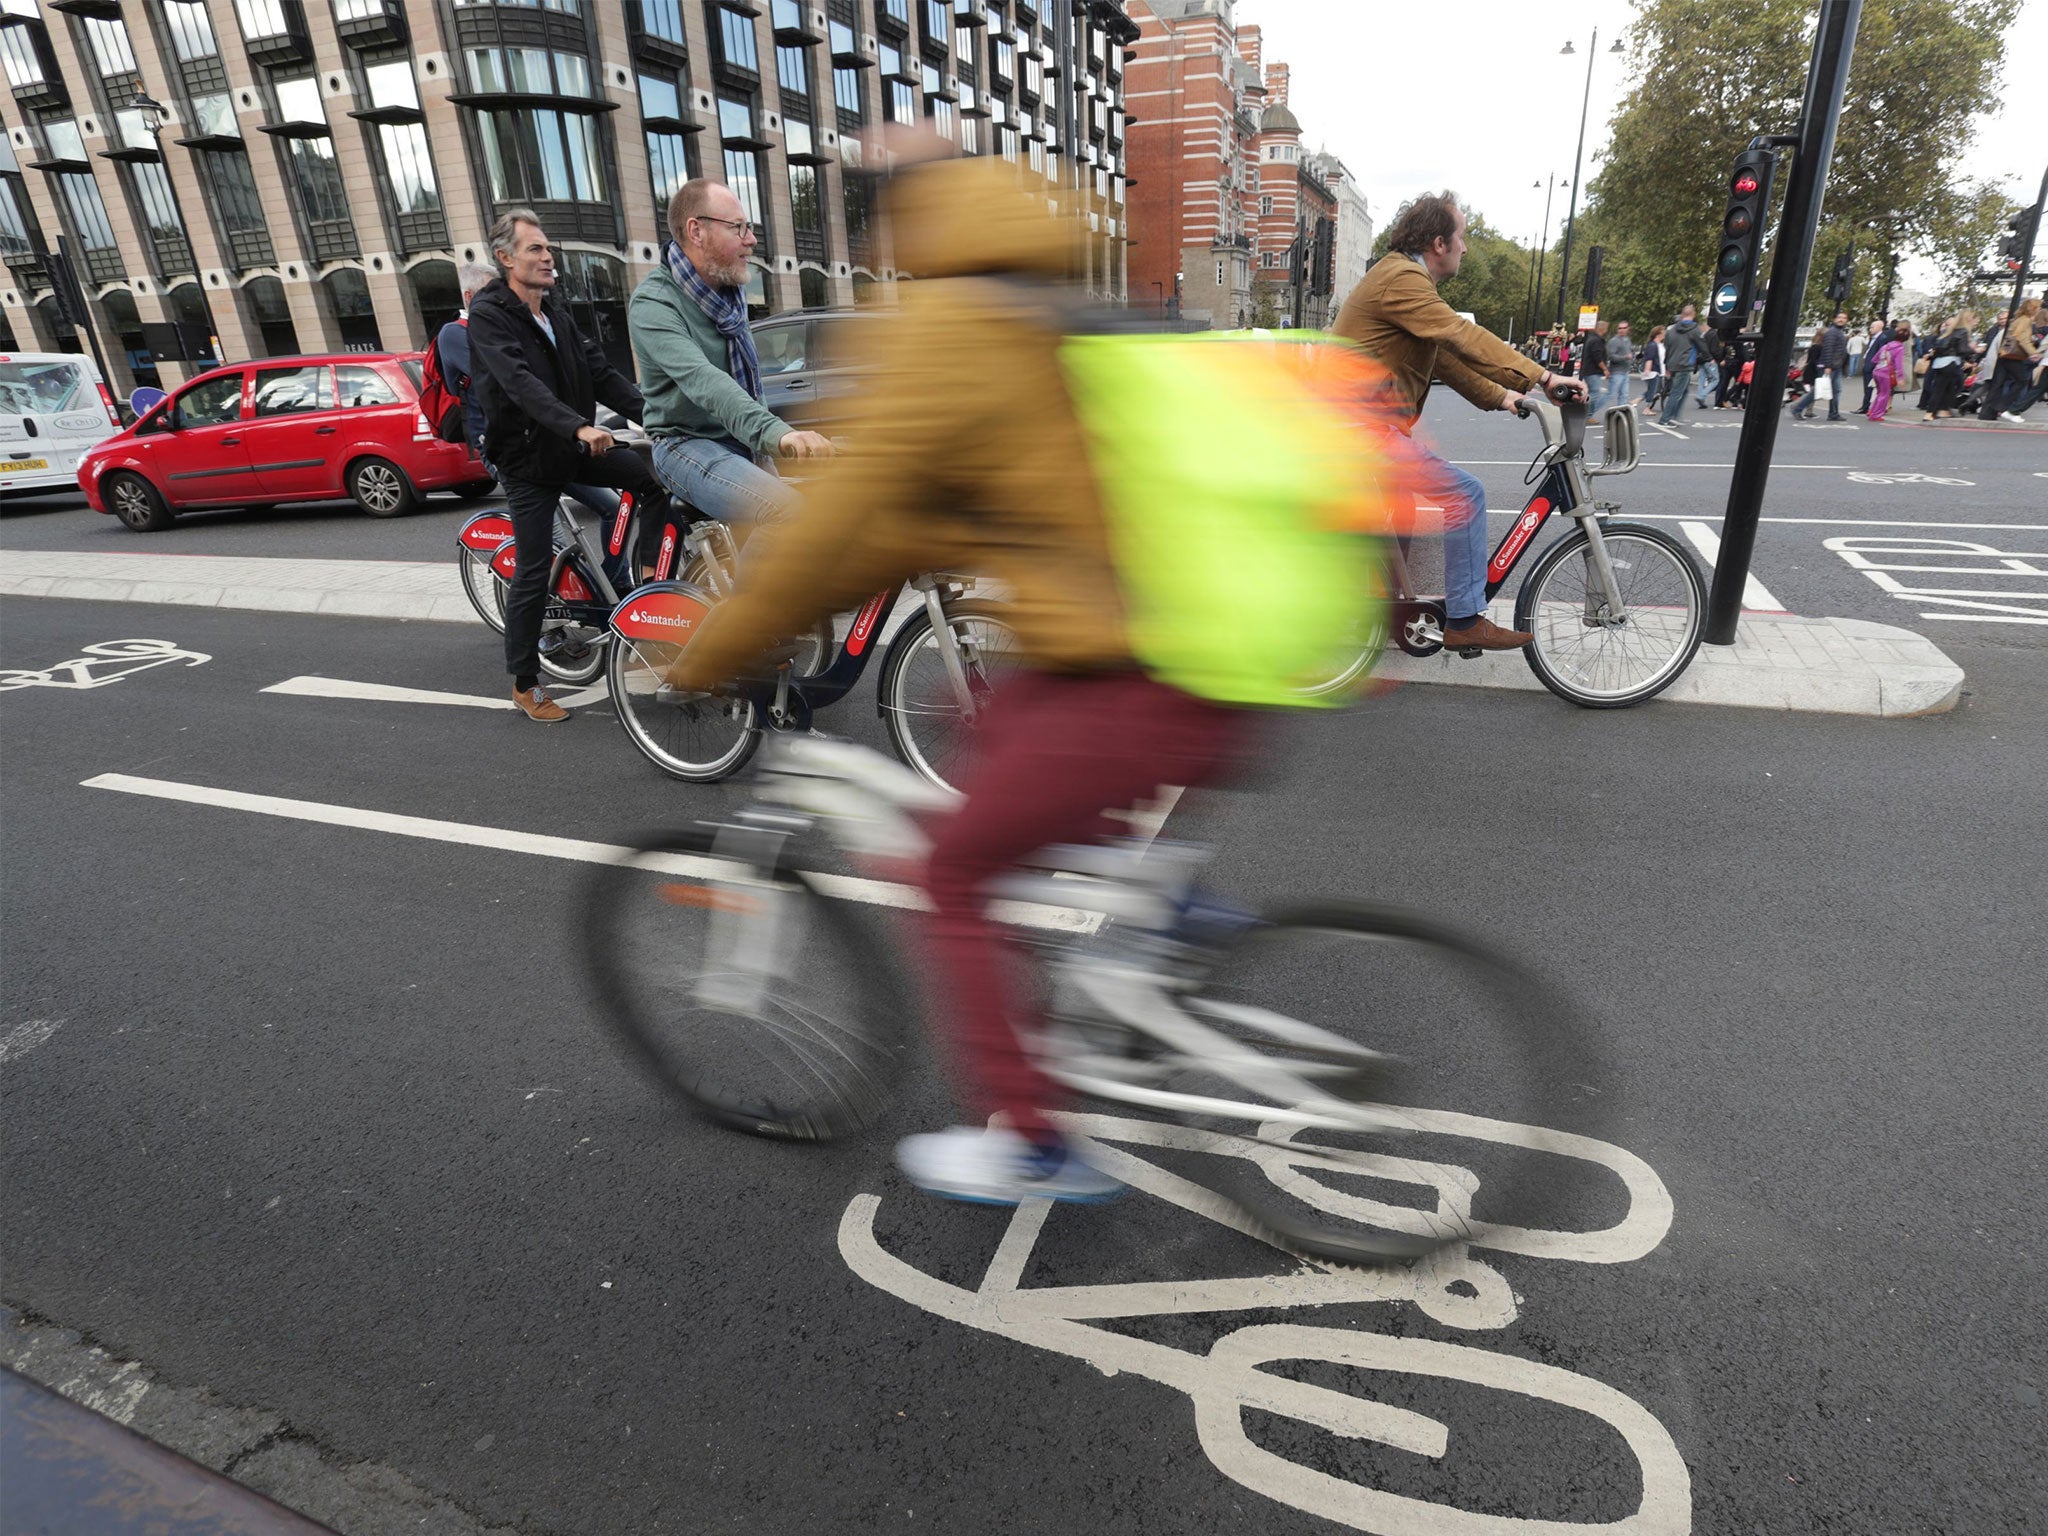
{"x":1845,"y":274}
{"x":1742,"y":238}
{"x":2019,"y":243}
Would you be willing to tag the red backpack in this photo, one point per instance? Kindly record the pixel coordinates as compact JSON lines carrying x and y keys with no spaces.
{"x":441,"y":396}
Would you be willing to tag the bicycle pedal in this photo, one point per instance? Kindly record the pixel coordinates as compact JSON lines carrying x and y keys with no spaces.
{"x":1471,"y":652}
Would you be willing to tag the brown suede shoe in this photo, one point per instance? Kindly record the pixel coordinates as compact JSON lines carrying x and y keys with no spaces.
{"x":1485,"y":635}
{"x":538,"y":706}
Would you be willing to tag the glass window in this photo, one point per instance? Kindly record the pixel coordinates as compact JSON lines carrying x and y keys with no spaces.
{"x":806,"y":207}
{"x":743,"y":175}
{"x":842,"y":37}
{"x":668,"y":166}
{"x":736,"y":34}
{"x":409,"y":167}
{"x":360,"y":385}
{"x":786,"y":13}
{"x":900,"y":9}
{"x":211,"y":402}
{"x":319,"y":180}
{"x":62,"y":135}
{"x":797,"y":137}
{"x":88,"y":213}
{"x":298,"y":101}
{"x":214,"y":116}
{"x":29,"y":389}
{"x":234,"y":189}
{"x":486,"y":69}
{"x":846,"y":91}
{"x":781,"y":348}
{"x":735,"y":118}
{"x":542,"y":156}
{"x":14,"y":240}
{"x":392,"y":84}
{"x":892,"y":59}
{"x":110,"y":49}
{"x":526,"y":69}
{"x":793,"y":71}
{"x":660,"y":97}
{"x":290,"y":391}
{"x":23,"y":63}
{"x":663,"y":19}
{"x":902,"y":103}
{"x":572,"y":74}
{"x":261,"y":18}
{"x":938,"y":18}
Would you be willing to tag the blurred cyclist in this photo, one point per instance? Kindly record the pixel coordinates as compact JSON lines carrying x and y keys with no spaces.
{"x":688,"y":320}
{"x":969,"y":457}
{"x":1397,"y":316}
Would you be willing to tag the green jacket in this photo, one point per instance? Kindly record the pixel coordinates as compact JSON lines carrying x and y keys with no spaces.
{"x":682,"y":360}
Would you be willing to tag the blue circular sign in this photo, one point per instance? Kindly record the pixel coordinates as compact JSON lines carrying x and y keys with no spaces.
{"x":146,"y":399}
{"x":1726,"y":297}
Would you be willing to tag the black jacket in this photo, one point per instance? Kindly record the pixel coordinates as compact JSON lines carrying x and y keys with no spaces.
{"x":1834,"y":348}
{"x":536,"y":394}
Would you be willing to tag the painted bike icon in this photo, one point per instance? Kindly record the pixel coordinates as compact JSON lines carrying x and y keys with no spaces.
{"x":1865,"y":477}
{"x":102,"y":665}
{"x":1453,"y":1287}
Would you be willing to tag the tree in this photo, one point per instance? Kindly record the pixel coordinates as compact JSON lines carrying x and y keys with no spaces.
{"x":1712,"y":76}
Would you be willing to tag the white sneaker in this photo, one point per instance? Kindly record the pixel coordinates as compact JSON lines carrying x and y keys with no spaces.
{"x":998,"y":1167}
{"x":2018,"y":421}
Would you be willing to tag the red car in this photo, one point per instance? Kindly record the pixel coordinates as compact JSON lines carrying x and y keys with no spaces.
{"x":284,"y":429}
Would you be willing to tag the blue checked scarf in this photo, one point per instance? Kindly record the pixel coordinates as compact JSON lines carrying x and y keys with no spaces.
{"x":727,"y":308}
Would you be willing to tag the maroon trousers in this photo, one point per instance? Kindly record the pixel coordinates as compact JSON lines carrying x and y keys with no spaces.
{"x":1057,"y":751}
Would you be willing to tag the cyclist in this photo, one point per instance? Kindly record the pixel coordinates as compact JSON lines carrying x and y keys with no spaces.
{"x":1396,"y":315}
{"x":991,"y":478}
{"x":539,"y":379}
{"x":688,"y":320}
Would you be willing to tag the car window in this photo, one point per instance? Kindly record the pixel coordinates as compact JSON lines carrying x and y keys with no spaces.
{"x":416,"y":371}
{"x":290,"y":391}
{"x":211,"y":402}
{"x":838,"y":341}
{"x":781,"y":348}
{"x":361,"y":385}
{"x":32,"y":389}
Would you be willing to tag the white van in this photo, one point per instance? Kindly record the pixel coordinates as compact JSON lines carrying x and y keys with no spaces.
{"x":53,"y":406}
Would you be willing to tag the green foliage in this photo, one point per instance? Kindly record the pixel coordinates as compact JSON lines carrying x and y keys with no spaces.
{"x":1710,"y":76}
{"x":1492,"y":282}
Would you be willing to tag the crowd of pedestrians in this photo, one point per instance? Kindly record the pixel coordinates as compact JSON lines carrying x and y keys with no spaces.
{"x":1997,"y":374}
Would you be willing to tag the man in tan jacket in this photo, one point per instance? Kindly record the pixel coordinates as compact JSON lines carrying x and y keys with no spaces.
{"x":1396,"y":315}
{"x":966,"y":455}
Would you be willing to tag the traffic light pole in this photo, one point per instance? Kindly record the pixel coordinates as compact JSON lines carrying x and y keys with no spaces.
{"x":1791,"y":261}
{"x":2019,"y":285}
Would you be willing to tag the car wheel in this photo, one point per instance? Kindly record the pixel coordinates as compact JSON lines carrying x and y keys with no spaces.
{"x":136,"y":502}
{"x":380,"y":488}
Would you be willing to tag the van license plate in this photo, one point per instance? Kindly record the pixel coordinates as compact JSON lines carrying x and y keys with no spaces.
{"x":20,"y":464}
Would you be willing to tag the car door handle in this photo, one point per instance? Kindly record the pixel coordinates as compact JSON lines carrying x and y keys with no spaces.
{"x":798,"y":384}
{"x":229,"y":442}
{"x":325,"y":431}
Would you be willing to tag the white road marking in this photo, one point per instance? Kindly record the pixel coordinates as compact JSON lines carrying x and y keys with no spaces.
{"x":1658,"y":426}
{"x":1955,"y":557}
{"x":1646,"y":464}
{"x":1756,"y":597}
{"x":880,"y":893}
{"x":1823,"y":522}
{"x":23,"y":1038}
{"x":102,"y":665}
{"x":316,"y":687}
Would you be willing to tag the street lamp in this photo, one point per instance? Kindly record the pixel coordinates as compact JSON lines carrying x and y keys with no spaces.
{"x":1542,"y":249}
{"x":1578,"y":157}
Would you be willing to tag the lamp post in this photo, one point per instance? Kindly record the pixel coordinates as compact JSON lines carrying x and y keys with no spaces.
{"x":1542,"y":249}
{"x":154,"y":115}
{"x":1578,"y":158}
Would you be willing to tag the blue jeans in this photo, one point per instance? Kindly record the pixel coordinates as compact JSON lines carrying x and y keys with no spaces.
{"x":1710,"y":380}
{"x":1674,"y":400}
{"x":1463,"y":499}
{"x":1617,"y":388}
{"x":721,"y":480}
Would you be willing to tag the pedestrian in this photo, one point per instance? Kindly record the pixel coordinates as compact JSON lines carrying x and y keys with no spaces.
{"x":1872,"y":340}
{"x":1744,"y":376}
{"x":1621,"y":362}
{"x":1653,"y":369}
{"x":1713,"y":349}
{"x":2018,"y":352}
{"x":1682,"y":349}
{"x":1834,"y":358}
{"x":1809,"y":381}
{"x":1593,"y":367}
{"x":1889,"y":371}
{"x":1945,"y":364}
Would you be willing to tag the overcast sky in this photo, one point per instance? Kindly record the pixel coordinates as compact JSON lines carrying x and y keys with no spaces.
{"x":1445,"y":94}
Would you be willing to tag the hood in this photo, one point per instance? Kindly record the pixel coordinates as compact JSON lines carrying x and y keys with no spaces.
{"x":953,"y":218}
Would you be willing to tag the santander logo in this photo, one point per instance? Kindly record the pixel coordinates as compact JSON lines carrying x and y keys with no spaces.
{"x":649,"y":616}
{"x":864,"y":624}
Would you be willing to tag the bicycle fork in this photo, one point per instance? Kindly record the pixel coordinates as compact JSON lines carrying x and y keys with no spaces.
{"x":1604,"y":607}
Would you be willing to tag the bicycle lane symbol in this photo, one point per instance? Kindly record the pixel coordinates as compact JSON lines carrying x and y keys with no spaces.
{"x":102,"y":665}
{"x":1454,"y":1288}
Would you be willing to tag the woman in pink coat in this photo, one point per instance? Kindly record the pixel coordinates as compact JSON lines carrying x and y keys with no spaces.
{"x":1888,"y":372}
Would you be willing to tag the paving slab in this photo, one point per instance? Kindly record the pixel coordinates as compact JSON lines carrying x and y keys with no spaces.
{"x":1779,"y":660}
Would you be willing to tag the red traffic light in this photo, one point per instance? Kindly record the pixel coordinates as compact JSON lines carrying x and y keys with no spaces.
{"x":1745,"y":183}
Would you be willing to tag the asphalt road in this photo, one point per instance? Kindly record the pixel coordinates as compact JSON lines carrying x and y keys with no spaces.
{"x":1936,"y":529}
{"x":317,"y":1118}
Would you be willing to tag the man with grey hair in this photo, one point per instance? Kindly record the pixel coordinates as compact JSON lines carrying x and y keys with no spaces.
{"x":713,"y":438}
{"x":453,"y":342}
{"x":539,"y":380}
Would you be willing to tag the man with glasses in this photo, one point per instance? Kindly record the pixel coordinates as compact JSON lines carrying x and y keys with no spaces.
{"x":713,"y":439}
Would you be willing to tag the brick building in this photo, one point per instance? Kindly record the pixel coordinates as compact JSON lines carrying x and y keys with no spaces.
{"x":1195,"y":93}
{"x":322,"y":166}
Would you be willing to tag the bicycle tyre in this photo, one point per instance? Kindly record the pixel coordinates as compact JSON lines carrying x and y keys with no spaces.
{"x":1592,"y":665}
{"x":1527,"y":1062}
{"x":914,"y":695}
{"x":484,"y":587}
{"x":699,"y":740}
{"x":649,"y":956}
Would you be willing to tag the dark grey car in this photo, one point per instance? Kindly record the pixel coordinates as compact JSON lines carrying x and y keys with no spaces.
{"x":807,"y":377}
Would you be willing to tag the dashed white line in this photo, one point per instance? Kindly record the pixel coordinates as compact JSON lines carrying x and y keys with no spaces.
{"x":1756,"y":597}
{"x":316,"y":687}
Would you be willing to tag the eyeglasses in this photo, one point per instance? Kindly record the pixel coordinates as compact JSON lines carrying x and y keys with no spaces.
{"x":737,"y":226}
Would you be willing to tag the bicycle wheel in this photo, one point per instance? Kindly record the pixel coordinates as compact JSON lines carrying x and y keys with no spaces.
{"x":1602,"y":660}
{"x":1361,"y":651}
{"x":699,"y":738}
{"x":743,"y":991}
{"x":917,"y":698}
{"x":1400,"y":1085}
{"x":484,"y":587}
